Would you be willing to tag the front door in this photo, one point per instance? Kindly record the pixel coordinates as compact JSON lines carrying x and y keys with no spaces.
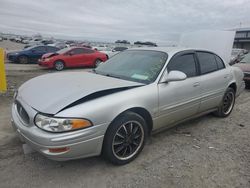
{"x":179,"y":100}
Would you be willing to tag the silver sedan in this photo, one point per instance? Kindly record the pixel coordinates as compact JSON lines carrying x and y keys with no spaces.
{"x":113,"y":109}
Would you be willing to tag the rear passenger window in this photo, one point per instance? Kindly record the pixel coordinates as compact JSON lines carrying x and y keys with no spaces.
{"x":207,"y":62}
{"x":77,"y":51}
{"x":219,"y":62}
{"x":184,"y":63}
{"x":88,"y":51}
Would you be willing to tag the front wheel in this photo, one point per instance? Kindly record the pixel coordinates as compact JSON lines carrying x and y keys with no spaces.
{"x":125,"y":138}
{"x":227,"y":103}
{"x":59,"y":65}
{"x":23,"y":60}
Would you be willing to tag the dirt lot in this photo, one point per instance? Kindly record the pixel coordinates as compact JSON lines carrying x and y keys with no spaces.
{"x":206,"y":152}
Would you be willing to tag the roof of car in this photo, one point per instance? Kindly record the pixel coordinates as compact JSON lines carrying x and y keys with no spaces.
{"x":168,"y":50}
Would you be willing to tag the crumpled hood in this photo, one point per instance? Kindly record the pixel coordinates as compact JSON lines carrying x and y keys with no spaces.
{"x":52,"y":92}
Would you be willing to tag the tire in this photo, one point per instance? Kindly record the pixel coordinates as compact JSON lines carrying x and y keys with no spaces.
{"x":121,"y":145}
{"x":97,"y":62}
{"x":23,"y":59}
{"x":59,"y":65}
{"x":227,"y":103}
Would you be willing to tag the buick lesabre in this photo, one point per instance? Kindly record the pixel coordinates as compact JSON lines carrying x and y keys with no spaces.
{"x":113,"y":109}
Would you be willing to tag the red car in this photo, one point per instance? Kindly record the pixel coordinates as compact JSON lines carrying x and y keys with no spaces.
{"x":72,"y":57}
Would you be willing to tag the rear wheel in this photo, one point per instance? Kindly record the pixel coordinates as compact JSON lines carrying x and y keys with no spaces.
{"x":97,"y":62}
{"x":59,"y":65}
{"x":23,"y":60}
{"x":125,"y":138}
{"x":227,"y":103}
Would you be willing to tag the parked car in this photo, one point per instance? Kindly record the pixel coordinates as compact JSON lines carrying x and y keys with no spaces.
{"x":72,"y":57}
{"x":1,"y":39}
{"x":30,"y":54}
{"x":60,"y":45}
{"x":113,"y":109}
{"x":237,"y":55}
{"x":244,"y":65}
{"x":47,"y":42}
{"x":33,"y":42}
{"x":110,"y":53}
{"x":18,"y":39}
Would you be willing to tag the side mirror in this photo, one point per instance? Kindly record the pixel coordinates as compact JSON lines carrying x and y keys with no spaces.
{"x":173,"y":76}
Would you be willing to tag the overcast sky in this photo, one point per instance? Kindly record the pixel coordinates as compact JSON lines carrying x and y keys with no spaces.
{"x":109,"y":20}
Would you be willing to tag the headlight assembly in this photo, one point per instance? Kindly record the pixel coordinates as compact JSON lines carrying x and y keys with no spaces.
{"x":15,"y":94}
{"x":53,"y":124}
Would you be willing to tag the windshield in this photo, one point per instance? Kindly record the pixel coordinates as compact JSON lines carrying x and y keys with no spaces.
{"x":246,"y":59}
{"x":135,"y":65}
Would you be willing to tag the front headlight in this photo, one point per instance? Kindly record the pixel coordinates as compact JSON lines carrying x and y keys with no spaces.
{"x":15,"y":94}
{"x":53,"y":124}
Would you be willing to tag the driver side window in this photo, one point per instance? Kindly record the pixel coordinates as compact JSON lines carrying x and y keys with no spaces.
{"x":39,"y":49}
{"x":184,"y":63}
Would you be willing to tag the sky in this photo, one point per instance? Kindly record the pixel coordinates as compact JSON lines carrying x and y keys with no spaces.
{"x":159,"y":21}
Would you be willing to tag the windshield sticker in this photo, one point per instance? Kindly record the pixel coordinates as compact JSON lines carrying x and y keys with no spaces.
{"x":139,"y":76}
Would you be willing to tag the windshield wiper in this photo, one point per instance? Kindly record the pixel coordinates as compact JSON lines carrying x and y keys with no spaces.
{"x":111,"y":75}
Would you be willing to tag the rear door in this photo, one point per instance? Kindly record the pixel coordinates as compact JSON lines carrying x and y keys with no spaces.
{"x":214,"y":78}
{"x":74,"y":57}
{"x":37,"y":52}
{"x":179,"y":100}
{"x":88,"y":57}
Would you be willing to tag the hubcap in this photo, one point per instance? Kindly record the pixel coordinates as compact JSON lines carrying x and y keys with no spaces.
{"x":228,"y":102}
{"x":59,"y":65}
{"x":128,"y":140}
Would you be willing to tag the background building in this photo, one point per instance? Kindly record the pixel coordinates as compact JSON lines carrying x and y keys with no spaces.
{"x":242,"y":38}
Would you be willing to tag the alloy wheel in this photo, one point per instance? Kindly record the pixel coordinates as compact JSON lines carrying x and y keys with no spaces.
{"x":59,"y":65}
{"x":128,"y":140}
{"x":228,"y":102}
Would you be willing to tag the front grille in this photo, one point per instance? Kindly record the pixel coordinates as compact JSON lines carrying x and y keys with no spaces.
{"x":22,"y":112}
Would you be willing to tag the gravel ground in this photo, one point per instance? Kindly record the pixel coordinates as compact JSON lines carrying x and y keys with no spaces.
{"x":11,"y":46}
{"x":205,"y":152}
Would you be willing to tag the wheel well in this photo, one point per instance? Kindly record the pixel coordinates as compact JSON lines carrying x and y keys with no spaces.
{"x":146,"y":116}
{"x":233,"y":86}
{"x":107,"y":56}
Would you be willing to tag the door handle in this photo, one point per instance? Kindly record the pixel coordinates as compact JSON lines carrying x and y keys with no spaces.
{"x":196,"y":84}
